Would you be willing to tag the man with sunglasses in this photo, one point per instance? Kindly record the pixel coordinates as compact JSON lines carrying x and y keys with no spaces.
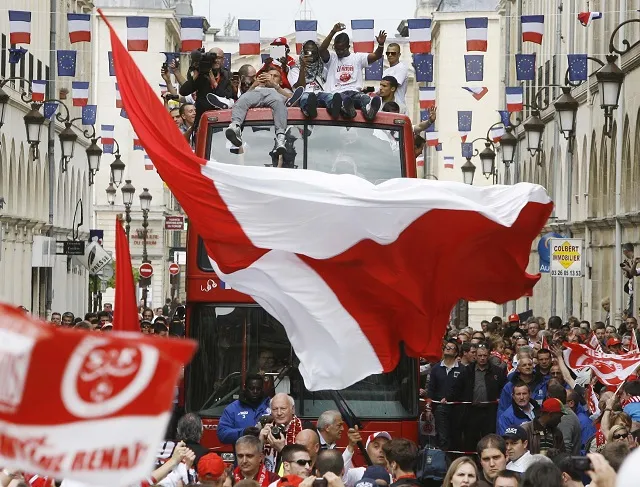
{"x":296,"y":462}
{"x":399,"y":71}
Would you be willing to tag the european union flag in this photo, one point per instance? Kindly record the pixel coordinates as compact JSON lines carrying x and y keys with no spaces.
{"x":526,"y":67}
{"x":89,"y":114}
{"x":373,"y":72}
{"x":467,"y":149}
{"x":464,"y":120}
{"x":424,"y":115}
{"x":423,"y":64}
{"x":227,"y":61}
{"x":50,"y":108}
{"x":474,"y":67}
{"x":16,"y":54}
{"x":170,"y":56}
{"x":505,"y":117}
{"x":577,"y":67}
{"x":66,"y":63}
{"x":107,"y":148}
{"x":123,"y":113}
{"x":439,"y":147}
{"x":112,"y":69}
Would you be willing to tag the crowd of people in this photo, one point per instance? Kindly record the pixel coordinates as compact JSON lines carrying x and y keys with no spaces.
{"x":318,"y":78}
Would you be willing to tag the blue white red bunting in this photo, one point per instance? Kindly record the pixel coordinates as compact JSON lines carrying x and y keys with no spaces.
{"x":249,"y":37}
{"x":191,"y":33}
{"x":478,"y":93}
{"x":477,"y":30}
{"x":38,"y":89}
{"x":79,"y":27}
{"x":585,"y":18}
{"x":19,"y":27}
{"x":362,"y":35}
{"x":80,"y":93}
{"x":514,"y":98}
{"x":306,"y":30}
{"x":427,"y":97}
{"x":532,"y":28}
{"x":419,"y":35}
{"x":448,"y":162}
{"x":137,"y":33}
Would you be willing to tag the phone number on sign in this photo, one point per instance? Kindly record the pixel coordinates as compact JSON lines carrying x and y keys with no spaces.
{"x":566,"y":273}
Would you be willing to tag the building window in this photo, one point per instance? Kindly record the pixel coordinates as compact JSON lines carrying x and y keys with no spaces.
{"x":3,"y":57}
{"x":547,"y":81}
{"x":31,"y":60}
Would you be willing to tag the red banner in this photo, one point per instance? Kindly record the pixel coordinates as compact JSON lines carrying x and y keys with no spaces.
{"x":611,"y":369}
{"x":83,"y":406}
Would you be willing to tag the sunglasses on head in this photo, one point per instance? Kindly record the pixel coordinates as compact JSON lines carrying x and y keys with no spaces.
{"x":303,"y":463}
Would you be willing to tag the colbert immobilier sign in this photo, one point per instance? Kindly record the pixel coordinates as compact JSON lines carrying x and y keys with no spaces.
{"x":566,"y":257}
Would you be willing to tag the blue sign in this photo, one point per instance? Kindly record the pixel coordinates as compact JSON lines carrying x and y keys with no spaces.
{"x":96,"y":236}
{"x":544,"y":252}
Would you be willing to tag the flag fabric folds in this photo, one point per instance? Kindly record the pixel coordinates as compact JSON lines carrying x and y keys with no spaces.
{"x":306,"y":30}
{"x":585,"y":18}
{"x":505,"y":117}
{"x":477,"y":28}
{"x":419,"y":35}
{"x":66,"y":62}
{"x":191,"y":33}
{"x":373,"y":72}
{"x":148,"y":163}
{"x":249,"y":37}
{"x":464,"y":123}
{"x":125,"y":314}
{"x":526,"y":67}
{"x":38,"y":89}
{"x":423,"y":64}
{"x":108,"y":136}
{"x":16,"y":54}
{"x":611,"y":369}
{"x":577,"y":67}
{"x":448,"y":162}
{"x":515,"y":101}
{"x":80,"y":93}
{"x":89,"y":113}
{"x":431,"y":135}
{"x":79,"y":27}
{"x":427,"y":97}
{"x":362,"y":35}
{"x":137,"y":33}
{"x":122,"y":424}
{"x":379,"y":303}
{"x":467,"y":149}
{"x":497,"y":132}
{"x":532,"y":28}
{"x":474,"y":67}
{"x":50,"y":108}
{"x":439,"y":147}
{"x":19,"y":27}
{"x":477,"y":93}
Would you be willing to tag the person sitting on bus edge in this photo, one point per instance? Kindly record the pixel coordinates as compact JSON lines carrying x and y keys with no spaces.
{"x":296,"y":462}
{"x":265,"y":92}
{"x":250,"y":460}
{"x":345,"y":74}
{"x":387,"y":91}
{"x":245,"y":412}
{"x":313,"y":77}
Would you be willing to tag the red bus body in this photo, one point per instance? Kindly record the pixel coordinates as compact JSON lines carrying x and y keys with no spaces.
{"x":204,"y":289}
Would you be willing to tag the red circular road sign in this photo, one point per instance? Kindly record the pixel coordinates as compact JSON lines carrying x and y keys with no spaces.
{"x":174,"y":269}
{"x":145,"y":270}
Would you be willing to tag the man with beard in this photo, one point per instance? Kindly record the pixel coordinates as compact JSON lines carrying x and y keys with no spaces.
{"x":245,"y":412}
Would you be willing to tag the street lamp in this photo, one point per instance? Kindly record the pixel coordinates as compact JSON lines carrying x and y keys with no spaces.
{"x":508,"y":144}
{"x":127,"y":199}
{"x":468,"y":172}
{"x":567,"y":108}
{"x":67,"y":144}
{"x":145,"y":199}
{"x":117,"y":171}
{"x":94,"y":153}
{"x":534,"y":128}
{"x":33,"y":122}
{"x":610,"y":79}
{"x":111,"y":194}
{"x":145,"y":204}
{"x":487,"y":160}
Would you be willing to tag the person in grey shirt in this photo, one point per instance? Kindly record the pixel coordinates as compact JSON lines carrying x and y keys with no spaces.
{"x":569,"y":424}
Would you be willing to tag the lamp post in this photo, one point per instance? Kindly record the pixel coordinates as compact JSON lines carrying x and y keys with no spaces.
{"x":94,"y":153}
{"x":468,"y":172}
{"x":111,"y":194}
{"x":145,"y":205}
{"x":117,"y":171}
{"x":33,"y":121}
{"x":508,"y":144}
{"x":127,"y":199}
{"x":567,"y":109}
{"x":610,"y":79}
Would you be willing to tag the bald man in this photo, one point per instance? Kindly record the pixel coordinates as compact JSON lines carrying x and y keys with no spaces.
{"x":310,"y":440}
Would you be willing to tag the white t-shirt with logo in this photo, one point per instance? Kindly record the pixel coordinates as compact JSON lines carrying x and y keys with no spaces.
{"x":346,"y":74}
{"x":401,"y":73}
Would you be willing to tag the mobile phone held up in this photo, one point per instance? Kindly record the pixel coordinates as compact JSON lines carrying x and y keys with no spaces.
{"x":277,"y":52}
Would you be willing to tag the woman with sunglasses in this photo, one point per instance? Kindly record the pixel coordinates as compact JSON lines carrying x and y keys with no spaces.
{"x":619,"y":433}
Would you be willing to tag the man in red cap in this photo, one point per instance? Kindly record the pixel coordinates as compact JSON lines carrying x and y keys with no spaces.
{"x":543,"y":433}
{"x":286,"y":64}
{"x":614,"y":344}
{"x":211,"y":470}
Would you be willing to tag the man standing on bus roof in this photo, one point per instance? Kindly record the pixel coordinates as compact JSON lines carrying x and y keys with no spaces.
{"x":399,"y":71}
{"x":245,"y":412}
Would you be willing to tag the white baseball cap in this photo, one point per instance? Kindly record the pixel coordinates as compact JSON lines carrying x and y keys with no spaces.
{"x":379,"y":434}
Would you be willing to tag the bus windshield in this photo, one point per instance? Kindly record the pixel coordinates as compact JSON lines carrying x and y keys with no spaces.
{"x":372,"y":152}
{"x":235,"y":340}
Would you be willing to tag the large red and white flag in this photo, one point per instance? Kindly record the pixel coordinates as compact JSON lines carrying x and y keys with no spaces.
{"x":351,"y":269}
{"x":611,"y":369}
{"x":89,"y":407}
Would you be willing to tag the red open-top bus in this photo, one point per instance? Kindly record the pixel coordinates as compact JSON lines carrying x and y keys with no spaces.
{"x":235,"y":335}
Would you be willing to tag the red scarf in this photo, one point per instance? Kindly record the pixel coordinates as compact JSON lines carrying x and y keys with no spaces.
{"x":261,"y":477}
{"x":629,"y":400}
{"x":271,"y":455}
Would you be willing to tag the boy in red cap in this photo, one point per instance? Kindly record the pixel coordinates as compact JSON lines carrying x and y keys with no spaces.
{"x":211,"y":470}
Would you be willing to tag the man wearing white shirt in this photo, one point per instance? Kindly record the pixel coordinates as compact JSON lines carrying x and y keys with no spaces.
{"x":373,"y":446}
{"x":399,"y":71}
{"x":518,"y":453}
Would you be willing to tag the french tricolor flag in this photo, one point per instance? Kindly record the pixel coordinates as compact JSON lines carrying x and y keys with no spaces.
{"x":137,"y":33}
{"x":585,"y":18}
{"x":118,"y":98}
{"x":477,"y":93}
{"x":306,"y":30}
{"x":80,"y":93}
{"x":137,"y":145}
{"x":432,"y":138}
{"x":38,"y":88}
{"x":427,"y":97}
{"x":108,"y":134}
{"x":191,"y":29}
{"x":19,"y":27}
{"x":79,"y":27}
{"x":362,"y":35}
{"x":532,"y":28}
{"x":477,"y":33}
{"x":497,"y":132}
{"x":419,"y":35}
{"x":514,"y":98}
{"x":448,"y":162}
{"x":148,"y":163}
{"x":249,"y":37}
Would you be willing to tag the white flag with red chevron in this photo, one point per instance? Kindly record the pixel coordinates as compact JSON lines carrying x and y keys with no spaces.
{"x":611,"y":369}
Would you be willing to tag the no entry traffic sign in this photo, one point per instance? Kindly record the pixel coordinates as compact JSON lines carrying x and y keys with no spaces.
{"x":174,"y":269}
{"x":145,"y":270}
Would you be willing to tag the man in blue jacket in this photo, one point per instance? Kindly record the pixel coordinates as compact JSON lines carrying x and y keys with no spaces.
{"x":245,"y":412}
{"x":535,"y":380}
{"x":521,"y":410}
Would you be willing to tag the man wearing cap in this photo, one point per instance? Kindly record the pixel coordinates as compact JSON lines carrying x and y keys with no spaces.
{"x":522,"y":408}
{"x":374,"y":447}
{"x":543,"y":432}
{"x":518,"y":453}
{"x":287,"y":64}
{"x":569,"y":423}
{"x":212,"y":470}
{"x":614,"y":344}
{"x":512,"y":326}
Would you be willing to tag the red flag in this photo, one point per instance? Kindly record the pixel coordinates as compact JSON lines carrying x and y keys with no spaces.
{"x":633,"y":345}
{"x":611,"y":370}
{"x":594,"y":343}
{"x":108,"y":399}
{"x":125,"y":313}
{"x":351,"y":270}
{"x":545,"y":344}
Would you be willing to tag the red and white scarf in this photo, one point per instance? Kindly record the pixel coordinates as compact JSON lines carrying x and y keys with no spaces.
{"x":271,"y":455}
{"x":629,"y":400}
{"x":261,"y":477}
